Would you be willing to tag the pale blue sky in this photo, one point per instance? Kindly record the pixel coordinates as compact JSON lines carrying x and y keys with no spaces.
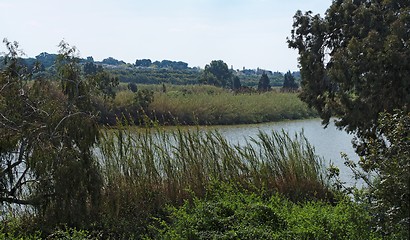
{"x":243,"y":33}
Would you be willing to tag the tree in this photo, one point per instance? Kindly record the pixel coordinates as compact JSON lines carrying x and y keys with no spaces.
{"x":90,"y":68}
{"x":102,"y":80}
{"x":236,"y":83}
{"x":143,"y":98}
{"x":143,"y":62}
{"x":289,"y":82}
{"x":112,"y":61}
{"x":47,"y":132}
{"x":46,"y":59}
{"x":216,"y":73}
{"x":132,"y":87}
{"x":354,"y":62}
{"x":355,"y":66}
{"x":389,"y":154}
{"x":264,"y":83}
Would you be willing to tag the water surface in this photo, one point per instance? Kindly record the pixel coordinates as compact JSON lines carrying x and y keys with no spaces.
{"x":328,"y":142}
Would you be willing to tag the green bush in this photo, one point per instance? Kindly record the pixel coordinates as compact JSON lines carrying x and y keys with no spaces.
{"x":231,"y":213}
{"x":23,"y":227}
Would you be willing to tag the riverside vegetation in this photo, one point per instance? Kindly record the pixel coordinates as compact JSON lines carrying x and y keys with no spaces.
{"x":65,"y":174}
{"x":195,"y":185}
{"x":208,"y":105}
{"x":78,"y":180}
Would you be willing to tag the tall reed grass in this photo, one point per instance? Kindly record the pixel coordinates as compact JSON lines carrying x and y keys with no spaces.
{"x":228,"y":108}
{"x":145,"y":169}
{"x":210,"y":105}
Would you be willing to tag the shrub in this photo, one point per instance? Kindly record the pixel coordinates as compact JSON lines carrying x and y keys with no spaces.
{"x":229,"y":212}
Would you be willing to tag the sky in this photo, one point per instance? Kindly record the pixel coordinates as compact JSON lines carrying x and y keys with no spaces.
{"x":242,"y":33}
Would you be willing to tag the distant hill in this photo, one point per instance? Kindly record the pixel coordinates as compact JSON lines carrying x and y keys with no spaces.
{"x":146,"y":71}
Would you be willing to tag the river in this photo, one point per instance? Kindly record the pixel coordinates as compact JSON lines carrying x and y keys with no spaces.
{"x":328,"y":142}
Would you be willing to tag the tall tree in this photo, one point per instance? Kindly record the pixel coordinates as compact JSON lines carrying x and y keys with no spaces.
{"x":236,"y":83}
{"x":46,"y":137}
{"x":264,"y":83}
{"x":355,"y":66}
{"x":217,"y":73}
{"x":354,"y":61}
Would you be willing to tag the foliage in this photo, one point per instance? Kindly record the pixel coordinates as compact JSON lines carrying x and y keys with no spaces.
{"x":146,"y":169}
{"x":144,"y":98}
{"x":250,"y":78}
{"x":112,"y":61}
{"x":156,"y":75}
{"x":170,"y":64}
{"x":46,"y":59}
{"x":355,"y":67}
{"x":143,"y":62}
{"x":132,"y":87}
{"x":289,"y":82}
{"x":217,"y":73}
{"x":125,"y":106}
{"x":366,"y":46}
{"x":200,"y":104}
{"x":264,"y":83}
{"x":388,"y":155}
{"x":229,"y":212}
{"x":104,"y":83}
{"x":211,"y":106}
{"x":236,"y":85}
{"x":90,"y":68}
{"x":13,"y":228}
{"x":47,"y":133}
{"x":146,"y":72}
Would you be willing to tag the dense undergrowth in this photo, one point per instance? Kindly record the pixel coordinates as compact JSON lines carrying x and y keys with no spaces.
{"x":228,"y":212}
{"x":193,"y":184}
{"x":156,"y":183}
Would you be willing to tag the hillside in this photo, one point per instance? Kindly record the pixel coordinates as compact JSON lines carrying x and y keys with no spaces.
{"x":144,"y":71}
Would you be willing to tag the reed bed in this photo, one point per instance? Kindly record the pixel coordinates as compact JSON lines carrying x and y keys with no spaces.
{"x":210,"y":105}
{"x":145,"y":169}
{"x":228,"y":108}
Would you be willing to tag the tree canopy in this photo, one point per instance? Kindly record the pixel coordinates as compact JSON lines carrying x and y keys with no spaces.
{"x":112,"y":61}
{"x":355,"y":61}
{"x":236,"y":85}
{"x":217,"y":73}
{"x":289,"y":81}
{"x":264,"y":83}
{"x":47,"y":133}
{"x":355,"y":66}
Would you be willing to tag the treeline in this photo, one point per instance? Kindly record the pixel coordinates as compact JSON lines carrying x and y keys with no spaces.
{"x":163,"y":64}
{"x":156,"y":75}
{"x":146,"y":71}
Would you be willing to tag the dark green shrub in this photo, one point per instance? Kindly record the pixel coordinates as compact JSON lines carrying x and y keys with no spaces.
{"x":232,"y":213}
